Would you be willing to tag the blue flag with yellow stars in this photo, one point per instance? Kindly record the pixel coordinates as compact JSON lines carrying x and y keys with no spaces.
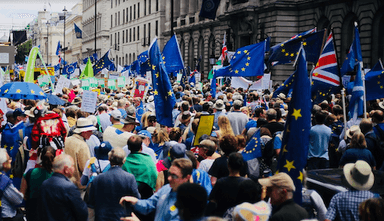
{"x":172,"y":56}
{"x":374,"y":83}
{"x":78,"y":31}
{"x":253,"y":148}
{"x":247,"y":61}
{"x":184,"y":78}
{"x":69,"y":69}
{"x":144,"y":64}
{"x":287,"y":51}
{"x":162,"y":89}
{"x":354,"y":55}
{"x":104,"y":62}
{"x":285,"y":87}
{"x":294,"y":153}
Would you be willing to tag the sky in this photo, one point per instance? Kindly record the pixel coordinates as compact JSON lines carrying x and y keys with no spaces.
{"x":20,"y":12}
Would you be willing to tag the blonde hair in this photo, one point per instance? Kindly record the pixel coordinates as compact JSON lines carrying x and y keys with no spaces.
{"x":160,"y":136}
{"x":225,"y":126}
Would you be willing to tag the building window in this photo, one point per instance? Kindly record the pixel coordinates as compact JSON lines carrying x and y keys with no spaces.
{"x":111,"y":40}
{"x":123,"y":36}
{"x":111,"y":21}
{"x":157,"y":5}
{"x":126,"y":58}
{"x":138,"y":10}
{"x":122,"y":60}
{"x":157,"y":28}
{"x":115,"y":38}
{"x":149,"y":31}
{"x":145,"y":30}
{"x":116,"y":3}
{"x":111,"y":4}
{"x":134,"y":11}
{"x":119,"y":61}
{"x":130,"y":13}
{"x":118,"y":18}
{"x":126,"y":18}
{"x":115,"y":19}
{"x":130,"y":35}
{"x":134,"y":56}
{"x":138,"y":32}
{"x":123,"y":15}
{"x":145,"y":7}
{"x":134,"y":34}
{"x":118,"y":38}
{"x":149,"y":7}
{"x":126,"y":35}
{"x":130,"y":58}
{"x":119,"y":2}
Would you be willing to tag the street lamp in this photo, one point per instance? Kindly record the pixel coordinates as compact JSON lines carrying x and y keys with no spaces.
{"x":47,"y":41}
{"x":65,"y":14}
{"x":212,"y":59}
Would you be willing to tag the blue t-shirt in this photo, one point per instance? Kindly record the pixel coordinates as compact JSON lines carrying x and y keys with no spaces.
{"x":251,"y":123}
{"x":354,"y":154}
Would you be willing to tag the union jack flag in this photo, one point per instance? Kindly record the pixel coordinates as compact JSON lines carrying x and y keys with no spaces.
{"x":224,"y":50}
{"x":325,"y":76}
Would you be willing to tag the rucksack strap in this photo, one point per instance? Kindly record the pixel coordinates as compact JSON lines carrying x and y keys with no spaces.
{"x":98,"y":122}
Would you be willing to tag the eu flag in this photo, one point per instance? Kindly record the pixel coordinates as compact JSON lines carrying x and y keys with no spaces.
{"x":58,"y":48}
{"x":78,"y":31}
{"x":253,"y":148}
{"x":184,"y":78}
{"x":285,"y":87}
{"x":287,"y":51}
{"x":294,"y":153}
{"x":374,"y":82}
{"x":172,"y":56}
{"x":69,"y":69}
{"x":162,"y":89}
{"x":144,"y":65}
{"x":209,"y":8}
{"x":135,"y":68}
{"x":104,"y":62}
{"x":354,"y":55}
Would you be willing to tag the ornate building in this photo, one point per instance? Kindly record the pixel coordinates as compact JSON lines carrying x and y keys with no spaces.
{"x":250,"y":21}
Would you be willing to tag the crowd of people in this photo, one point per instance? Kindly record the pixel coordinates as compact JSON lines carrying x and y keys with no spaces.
{"x":119,"y":163}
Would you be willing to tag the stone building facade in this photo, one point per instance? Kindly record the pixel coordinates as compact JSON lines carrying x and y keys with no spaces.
{"x":250,"y":21}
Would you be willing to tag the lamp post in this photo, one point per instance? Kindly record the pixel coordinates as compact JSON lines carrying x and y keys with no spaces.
{"x":65,"y":14}
{"x":47,"y":41}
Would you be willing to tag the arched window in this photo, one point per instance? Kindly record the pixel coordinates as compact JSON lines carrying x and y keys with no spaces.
{"x":378,"y":37}
{"x":324,"y":23}
{"x":347,"y":34}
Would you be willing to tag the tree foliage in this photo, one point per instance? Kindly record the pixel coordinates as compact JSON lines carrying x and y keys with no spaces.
{"x":22,"y":51}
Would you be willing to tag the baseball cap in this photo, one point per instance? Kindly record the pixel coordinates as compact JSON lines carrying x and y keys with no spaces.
{"x":116,"y":114}
{"x":282,"y":180}
{"x":18,"y":112}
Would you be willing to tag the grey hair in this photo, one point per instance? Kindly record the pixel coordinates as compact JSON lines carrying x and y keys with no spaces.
{"x":117,"y":156}
{"x":61,"y":161}
{"x":3,"y":157}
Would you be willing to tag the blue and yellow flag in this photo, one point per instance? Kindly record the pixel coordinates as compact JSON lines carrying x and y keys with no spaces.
{"x":253,"y":148}
{"x":172,"y":56}
{"x":285,"y":87}
{"x":354,"y":55}
{"x":374,"y":82}
{"x":78,"y":31}
{"x":162,"y":89}
{"x":104,"y":62}
{"x":294,"y":153}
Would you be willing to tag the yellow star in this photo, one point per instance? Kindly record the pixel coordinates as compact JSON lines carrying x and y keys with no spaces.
{"x":283,"y":50}
{"x":41,"y":93}
{"x":32,"y":92}
{"x":234,"y":57}
{"x":11,"y":176}
{"x":247,"y":64}
{"x":292,"y":54}
{"x":289,"y":165}
{"x":378,"y":82}
{"x":381,"y":87}
{"x":304,"y":43}
{"x":6,"y":91}
{"x":296,"y":113}
{"x":236,"y":71}
{"x":243,"y":69}
{"x":157,"y":74}
{"x":170,"y":92}
{"x":153,"y":67}
{"x":316,"y":74}
{"x":239,"y":52}
{"x":285,"y":148}
{"x":282,"y":45}
{"x":286,"y":54}
{"x":248,"y":58}
{"x":155,"y":92}
{"x":18,"y":91}
{"x":301,"y":177}
{"x":245,"y":51}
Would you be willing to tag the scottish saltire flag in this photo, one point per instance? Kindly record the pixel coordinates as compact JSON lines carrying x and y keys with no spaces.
{"x":78,"y":31}
{"x":354,"y":55}
{"x":356,"y":104}
{"x":286,"y":52}
{"x":162,"y":89}
{"x":294,"y":153}
{"x":253,"y":148}
{"x":325,"y":76}
{"x":172,"y":56}
{"x":104,"y":62}
{"x":209,"y":8}
{"x":374,"y":82}
{"x":285,"y":87}
{"x":58,"y":52}
{"x":192,"y":78}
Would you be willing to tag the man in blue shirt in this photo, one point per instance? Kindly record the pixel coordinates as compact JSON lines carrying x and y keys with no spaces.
{"x":163,"y":201}
{"x":318,"y":143}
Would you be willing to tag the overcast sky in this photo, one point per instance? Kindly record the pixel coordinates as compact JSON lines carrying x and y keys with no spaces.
{"x":21,"y":12}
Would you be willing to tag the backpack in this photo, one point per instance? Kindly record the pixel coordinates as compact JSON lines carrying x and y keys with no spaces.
{"x":307,"y":204}
{"x":268,"y":150}
{"x":94,"y":173}
{"x":381,"y":137}
{"x":20,"y":163}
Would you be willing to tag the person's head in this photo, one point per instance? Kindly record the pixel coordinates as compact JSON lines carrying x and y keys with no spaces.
{"x":102,"y":109}
{"x":101,"y":151}
{"x":237,"y":104}
{"x":371,"y":209}
{"x":191,"y":156}
{"x":224,"y":123}
{"x":207,"y":148}
{"x":175,"y":134}
{"x":241,"y":141}
{"x":235,"y":162}
{"x":5,"y":160}
{"x":228,"y":144}
{"x":19,"y":115}
{"x":134,"y":143}
{"x":64,"y":164}
{"x":249,"y":191}
{"x":191,"y":201}
{"x":280,"y":187}
{"x":365,"y":126}
{"x":358,"y":175}
{"x":378,"y":116}
{"x":180,"y":172}
{"x":146,"y":137}
{"x":116,"y":156}
{"x":47,"y":157}
{"x":271,"y":114}
{"x":115,"y":116}
{"x":320,"y":117}
{"x":358,"y":141}
{"x":259,"y":112}
{"x":337,"y":110}
{"x":160,"y":136}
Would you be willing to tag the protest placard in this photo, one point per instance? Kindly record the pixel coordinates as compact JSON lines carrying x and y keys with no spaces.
{"x":89,"y":101}
{"x":205,"y":127}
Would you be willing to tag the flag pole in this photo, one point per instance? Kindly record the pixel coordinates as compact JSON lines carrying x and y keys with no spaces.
{"x":363,"y":79}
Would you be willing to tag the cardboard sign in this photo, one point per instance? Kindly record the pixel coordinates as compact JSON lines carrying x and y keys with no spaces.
{"x":62,"y":83}
{"x":205,"y":127}
{"x":89,"y":101}
{"x":121,"y":82}
{"x":141,"y":86}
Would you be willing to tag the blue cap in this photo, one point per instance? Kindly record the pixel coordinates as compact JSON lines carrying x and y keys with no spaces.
{"x":18,"y":112}
{"x":101,"y":152}
{"x":144,"y":134}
